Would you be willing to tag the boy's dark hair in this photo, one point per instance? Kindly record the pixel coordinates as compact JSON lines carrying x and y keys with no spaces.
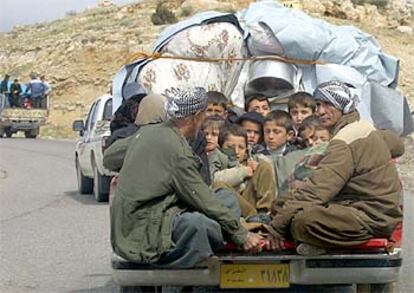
{"x":311,"y":121}
{"x":282,"y":118}
{"x":216,"y":121}
{"x":231,"y":129}
{"x":217,"y":98}
{"x":301,"y":98}
{"x":255,"y":97}
{"x":322,"y":127}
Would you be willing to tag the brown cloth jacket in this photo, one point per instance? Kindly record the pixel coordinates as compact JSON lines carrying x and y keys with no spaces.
{"x":357,"y":171}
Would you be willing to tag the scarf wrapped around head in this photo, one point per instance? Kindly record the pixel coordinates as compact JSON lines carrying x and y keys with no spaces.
{"x":151,"y":110}
{"x":182,"y":103}
{"x":336,"y":93}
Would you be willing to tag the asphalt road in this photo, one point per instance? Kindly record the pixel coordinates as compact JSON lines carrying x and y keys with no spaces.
{"x":53,"y":239}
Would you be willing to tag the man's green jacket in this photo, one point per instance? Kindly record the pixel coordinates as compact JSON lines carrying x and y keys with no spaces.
{"x":159,"y":178}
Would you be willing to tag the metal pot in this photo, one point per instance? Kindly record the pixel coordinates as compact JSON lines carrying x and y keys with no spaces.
{"x":270,"y":78}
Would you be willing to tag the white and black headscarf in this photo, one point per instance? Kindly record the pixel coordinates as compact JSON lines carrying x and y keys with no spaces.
{"x":336,"y":93}
{"x":182,"y":103}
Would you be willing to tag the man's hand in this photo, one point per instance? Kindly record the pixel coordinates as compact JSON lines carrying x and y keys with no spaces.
{"x":274,"y":243}
{"x":252,"y":164}
{"x":253,"y":242}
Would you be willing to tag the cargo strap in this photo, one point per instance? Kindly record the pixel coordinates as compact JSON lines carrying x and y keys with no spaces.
{"x":157,"y":55}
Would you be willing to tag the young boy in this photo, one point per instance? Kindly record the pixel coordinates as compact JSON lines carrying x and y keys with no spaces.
{"x":216,"y":159}
{"x":259,"y":104}
{"x":321,"y":135}
{"x":217,"y":104}
{"x":306,"y":130}
{"x":278,"y":131}
{"x":253,"y":180}
{"x":301,"y":105}
{"x":252,"y":122}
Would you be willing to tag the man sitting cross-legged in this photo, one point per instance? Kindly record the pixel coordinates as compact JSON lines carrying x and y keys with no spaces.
{"x":354,"y":193}
{"x":162,"y":212}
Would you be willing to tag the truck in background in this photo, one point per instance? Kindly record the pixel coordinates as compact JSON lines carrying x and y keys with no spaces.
{"x":13,"y":120}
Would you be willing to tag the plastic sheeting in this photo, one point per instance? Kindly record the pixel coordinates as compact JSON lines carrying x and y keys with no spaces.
{"x":268,"y":28}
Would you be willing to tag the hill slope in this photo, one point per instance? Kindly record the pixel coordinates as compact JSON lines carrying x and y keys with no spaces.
{"x":80,"y":53}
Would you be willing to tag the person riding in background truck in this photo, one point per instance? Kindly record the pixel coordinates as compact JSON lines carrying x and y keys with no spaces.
{"x":354,"y":194}
{"x":4,"y":88}
{"x":162,"y":212}
{"x":48,"y":89}
{"x":37,"y":91}
{"x":15,"y":92}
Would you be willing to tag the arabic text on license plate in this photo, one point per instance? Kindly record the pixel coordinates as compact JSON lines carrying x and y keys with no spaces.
{"x":254,"y":276}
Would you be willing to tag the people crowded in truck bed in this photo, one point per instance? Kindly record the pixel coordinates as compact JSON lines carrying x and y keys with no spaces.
{"x":317,"y":174}
{"x":33,"y":94}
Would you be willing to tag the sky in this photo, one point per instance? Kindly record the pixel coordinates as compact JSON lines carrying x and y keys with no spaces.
{"x":14,"y":12}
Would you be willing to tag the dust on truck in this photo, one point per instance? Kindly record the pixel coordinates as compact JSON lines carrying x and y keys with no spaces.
{"x":13,"y":120}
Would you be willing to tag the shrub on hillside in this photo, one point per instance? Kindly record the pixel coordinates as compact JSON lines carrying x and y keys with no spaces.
{"x":163,"y":15}
{"x":187,"y":11}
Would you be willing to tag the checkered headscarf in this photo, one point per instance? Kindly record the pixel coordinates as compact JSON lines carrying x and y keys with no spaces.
{"x":336,"y":93}
{"x":182,"y":103}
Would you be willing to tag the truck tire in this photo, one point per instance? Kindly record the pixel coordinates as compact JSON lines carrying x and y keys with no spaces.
{"x":1,"y":132}
{"x":100,"y":185}
{"x":30,"y":133}
{"x":8,"y":132}
{"x":85,"y":184}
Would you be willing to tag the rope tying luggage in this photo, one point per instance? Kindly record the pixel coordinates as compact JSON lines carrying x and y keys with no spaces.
{"x":157,"y":55}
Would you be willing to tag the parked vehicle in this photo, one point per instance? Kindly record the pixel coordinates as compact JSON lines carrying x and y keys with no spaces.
{"x":92,"y":176}
{"x":13,"y":120}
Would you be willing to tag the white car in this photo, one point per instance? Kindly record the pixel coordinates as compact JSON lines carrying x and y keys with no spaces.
{"x":91,"y":175}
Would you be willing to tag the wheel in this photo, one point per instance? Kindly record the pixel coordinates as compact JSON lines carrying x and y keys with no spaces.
{"x":8,"y":132}
{"x":100,"y":185}
{"x":1,"y":132}
{"x":85,"y":184}
{"x":30,"y":133}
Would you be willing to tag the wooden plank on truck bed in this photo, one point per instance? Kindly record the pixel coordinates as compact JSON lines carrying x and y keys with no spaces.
{"x":14,"y":113}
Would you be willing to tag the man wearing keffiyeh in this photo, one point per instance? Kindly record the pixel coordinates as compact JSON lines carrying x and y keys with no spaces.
{"x":162,"y":212}
{"x":354,"y":193}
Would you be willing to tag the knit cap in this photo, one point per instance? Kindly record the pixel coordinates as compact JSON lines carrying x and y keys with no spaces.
{"x":182,"y":103}
{"x":336,"y":93}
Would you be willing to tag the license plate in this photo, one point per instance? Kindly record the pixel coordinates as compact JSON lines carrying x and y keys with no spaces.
{"x":254,"y":276}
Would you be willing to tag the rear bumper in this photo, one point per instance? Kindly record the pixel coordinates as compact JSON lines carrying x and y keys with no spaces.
{"x":321,"y":270}
{"x":22,"y":125}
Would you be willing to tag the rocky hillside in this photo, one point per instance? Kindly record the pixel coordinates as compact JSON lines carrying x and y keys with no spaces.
{"x":79,"y":53}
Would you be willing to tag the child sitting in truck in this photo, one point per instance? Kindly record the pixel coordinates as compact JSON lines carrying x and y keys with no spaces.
{"x":252,"y":122}
{"x":278,"y":132}
{"x":259,"y":104}
{"x":217,"y":104}
{"x":27,"y":103}
{"x":253,"y":180}
{"x":300,"y":106}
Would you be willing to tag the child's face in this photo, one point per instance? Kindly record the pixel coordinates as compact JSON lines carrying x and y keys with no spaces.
{"x":212,"y":134}
{"x":307,"y":135}
{"x":253,"y":132}
{"x":216,"y":110}
{"x":261,"y":107}
{"x":321,"y":136}
{"x":238,"y":143}
{"x":299,"y":113}
{"x":275,"y":136}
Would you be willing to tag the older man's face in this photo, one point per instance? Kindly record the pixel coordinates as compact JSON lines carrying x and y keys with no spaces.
{"x":197,"y":121}
{"x":328,"y":114}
